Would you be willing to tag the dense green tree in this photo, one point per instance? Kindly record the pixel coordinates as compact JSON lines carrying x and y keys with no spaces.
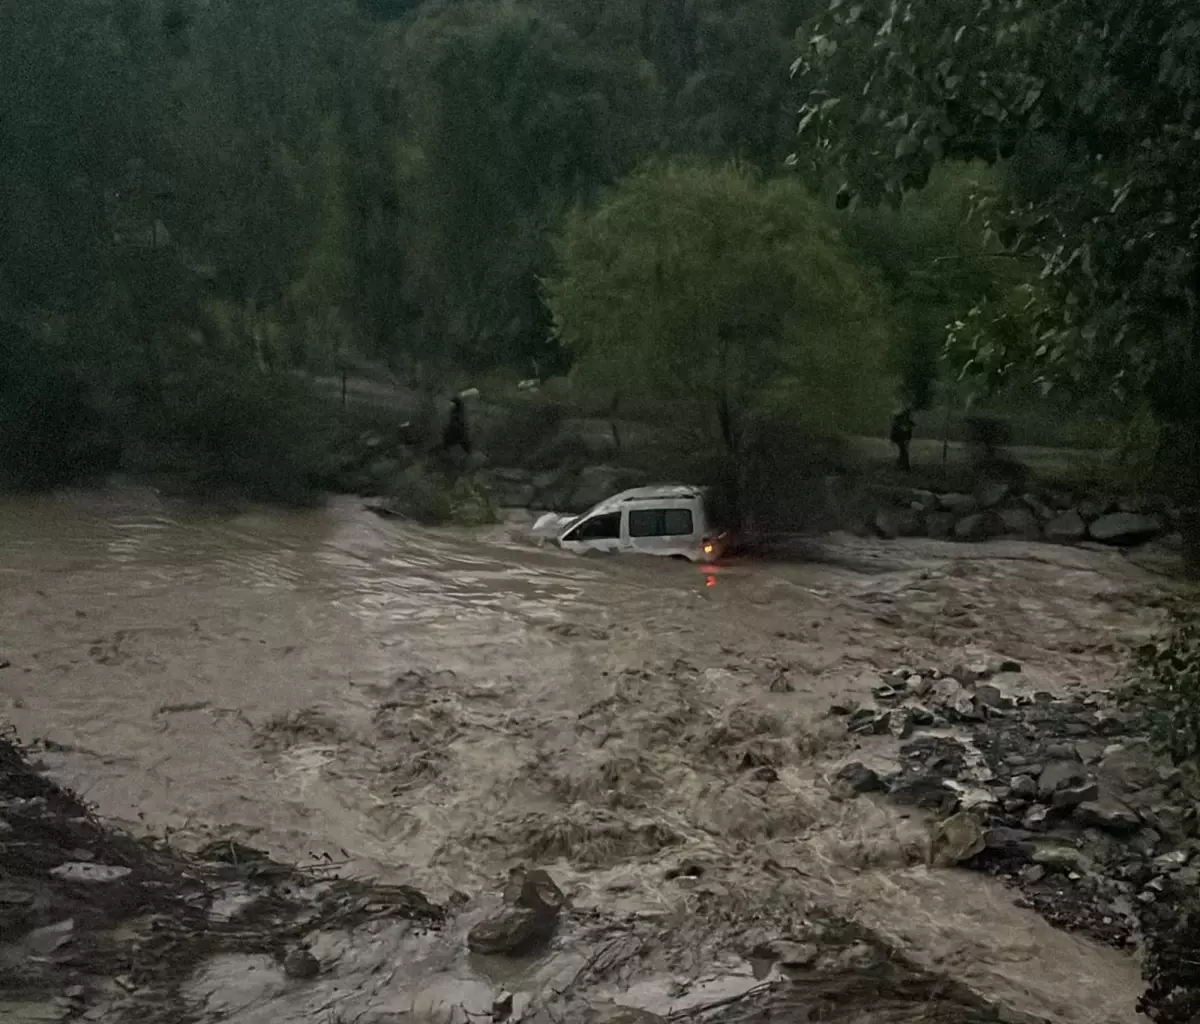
{"x":1098,"y":105}
{"x":715,"y":288}
{"x":511,"y":119}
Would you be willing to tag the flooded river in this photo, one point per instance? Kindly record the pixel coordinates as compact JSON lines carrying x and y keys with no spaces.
{"x":438,"y":707}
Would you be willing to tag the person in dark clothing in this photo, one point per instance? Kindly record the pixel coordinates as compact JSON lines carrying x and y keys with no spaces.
{"x":901,"y":437}
{"x":455,"y":435}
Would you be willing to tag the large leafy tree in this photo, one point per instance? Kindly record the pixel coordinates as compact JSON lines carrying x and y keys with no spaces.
{"x":1097,"y":103}
{"x":714,"y":288}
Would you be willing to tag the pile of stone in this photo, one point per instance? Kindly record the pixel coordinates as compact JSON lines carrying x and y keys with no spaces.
{"x":995,"y":510}
{"x":1056,"y":795}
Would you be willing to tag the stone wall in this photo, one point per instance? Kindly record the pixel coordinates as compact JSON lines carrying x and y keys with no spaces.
{"x":996,"y":510}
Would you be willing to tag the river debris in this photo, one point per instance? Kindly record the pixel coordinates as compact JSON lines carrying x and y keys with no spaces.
{"x":1056,"y":795}
{"x":92,"y":917}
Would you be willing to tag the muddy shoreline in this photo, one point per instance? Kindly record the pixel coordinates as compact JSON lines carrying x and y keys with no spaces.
{"x":436,"y":708}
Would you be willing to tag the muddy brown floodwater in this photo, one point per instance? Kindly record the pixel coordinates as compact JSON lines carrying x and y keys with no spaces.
{"x":438,"y":707}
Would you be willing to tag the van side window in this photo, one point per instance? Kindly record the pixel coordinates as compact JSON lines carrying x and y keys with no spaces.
{"x":605,"y":527}
{"x":660,"y":522}
{"x":677,"y":522}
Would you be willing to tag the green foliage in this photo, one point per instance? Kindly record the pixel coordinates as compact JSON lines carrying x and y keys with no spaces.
{"x":222,"y":426}
{"x":1097,"y":107}
{"x":52,"y":433}
{"x":513,"y":119}
{"x":1165,"y":690}
{"x":1099,"y":110}
{"x":935,"y":264}
{"x":713,"y":287}
{"x":430,"y":497}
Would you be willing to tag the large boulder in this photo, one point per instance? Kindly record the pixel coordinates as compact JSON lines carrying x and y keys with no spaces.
{"x":595,"y":483}
{"x":991,"y":493}
{"x":1067,"y":528}
{"x":1038,"y":507}
{"x":956,"y":839}
{"x":511,"y":488}
{"x":979,"y":526}
{"x":1060,"y":775}
{"x":959,"y":504}
{"x":891,"y":523}
{"x":1123,"y":528}
{"x":1021,"y":522}
{"x":939,"y":525}
{"x":1107,"y":814}
{"x":1129,"y":768}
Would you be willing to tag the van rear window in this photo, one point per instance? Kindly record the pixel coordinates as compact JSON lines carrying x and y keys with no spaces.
{"x":660,"y":522}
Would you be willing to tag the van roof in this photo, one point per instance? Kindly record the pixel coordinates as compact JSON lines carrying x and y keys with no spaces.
{"x":656,"y":492}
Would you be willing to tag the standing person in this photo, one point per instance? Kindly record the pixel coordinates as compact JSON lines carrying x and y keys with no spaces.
{"x":901,"y":437}
{"x":455,"y":435}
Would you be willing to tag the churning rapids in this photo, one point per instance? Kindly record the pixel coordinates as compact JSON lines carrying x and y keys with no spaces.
{"x":437,"y":707}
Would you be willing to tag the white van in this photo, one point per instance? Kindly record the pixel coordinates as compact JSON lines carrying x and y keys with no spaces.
{"x":668,"y":520}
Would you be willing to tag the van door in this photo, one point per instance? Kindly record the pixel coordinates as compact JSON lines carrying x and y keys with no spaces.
{"x":596,"y":533}
{"x":666,"y":529}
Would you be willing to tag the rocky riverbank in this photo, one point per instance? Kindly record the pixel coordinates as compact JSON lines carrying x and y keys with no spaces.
{"x":1058,"y":796}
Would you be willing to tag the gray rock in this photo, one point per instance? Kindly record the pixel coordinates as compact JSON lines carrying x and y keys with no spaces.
{"x":1023,"y":786}
{"x":510,"y":932}
{"x":990,"y":493}
{"x":919,"y":714}
{"x":856,"y":777}
{"x":1108,"y":814}
{"x":1067,"y":528}
{"x":1039,"y":508}
{"x":1073,"y":796}
{"x":301,"y":965}
{"x":1093,"y":508}
{"x":1089,"y":751}
{"x":968,"y":673}
{"x":901,"y":724}
{"x":972,"y":528}
{"x":1121,"y":528}
{"x":956,"y":839}
{"x":869,"y":720}
{"x":1169,"y":819}
{"x":891,"y":523}
{"x":993,"y":697}
{"x":1129,"y":768}
{"x":1059,"y":857}
{"x":1010,"y":840}
{"x":1172,"y":861}
{"x":1145,"y":842}
{"x":595,"y":483}
{"x":538,"y":891}
{"x":1060,"y":775}
{"x":502,"y":1006}
{"x":1035,"y":818}
{"x":939,"y":525}
{"x":959,"y":504}
{"x":1020,"y":522}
